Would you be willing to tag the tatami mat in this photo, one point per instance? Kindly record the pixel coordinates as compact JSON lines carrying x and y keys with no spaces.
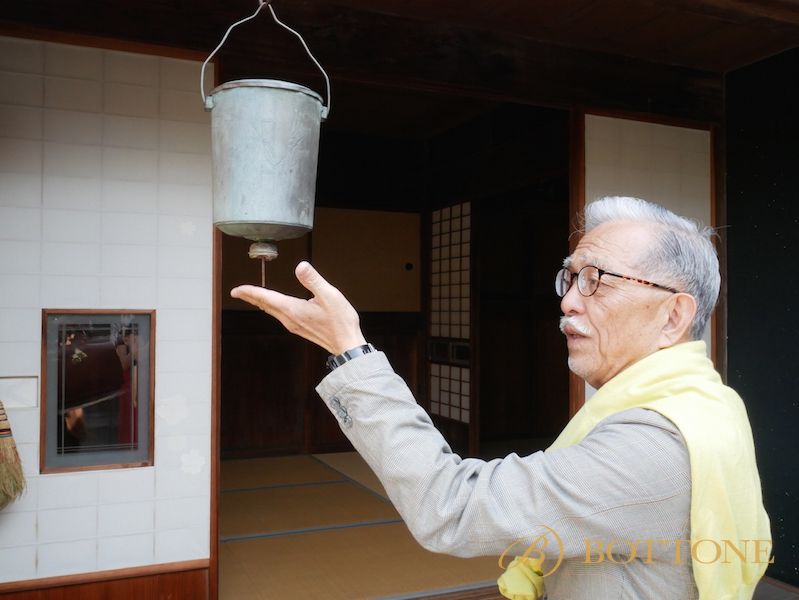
{"x":308,"y":506}
{"x":286,"y":503}
{"x":353,"y":466}
{"x":284,"y":470}
{"x":343,"y":564}
{"x":314,"y":527}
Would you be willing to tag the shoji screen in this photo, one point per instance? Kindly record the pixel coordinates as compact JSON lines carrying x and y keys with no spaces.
{"x":662,"y":163}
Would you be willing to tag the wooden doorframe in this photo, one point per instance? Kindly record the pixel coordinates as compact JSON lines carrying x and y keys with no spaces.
{"x":718,"y":217}
{"x":576,"y":206}
{"x":216,"y":383}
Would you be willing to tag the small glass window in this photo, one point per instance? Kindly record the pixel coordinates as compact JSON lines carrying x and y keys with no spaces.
{"x":97,"y":383}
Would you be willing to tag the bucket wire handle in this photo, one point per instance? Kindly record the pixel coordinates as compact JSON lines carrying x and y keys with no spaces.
{"x":261,"y":4}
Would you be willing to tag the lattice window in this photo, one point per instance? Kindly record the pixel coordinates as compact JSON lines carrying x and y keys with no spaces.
{"x":450,"y":279}
{"x":449,"y":391}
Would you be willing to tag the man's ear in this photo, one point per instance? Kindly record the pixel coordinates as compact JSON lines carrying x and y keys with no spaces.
{"x":681,"y":309}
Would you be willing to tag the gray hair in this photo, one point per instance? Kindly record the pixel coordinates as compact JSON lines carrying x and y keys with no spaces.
{"x":682,"y":254}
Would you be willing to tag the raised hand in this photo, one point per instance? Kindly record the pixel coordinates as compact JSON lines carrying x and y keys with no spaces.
{"x":327,"y":319}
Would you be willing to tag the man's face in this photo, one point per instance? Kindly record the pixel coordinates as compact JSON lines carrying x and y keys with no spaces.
{"x":621,"y":323}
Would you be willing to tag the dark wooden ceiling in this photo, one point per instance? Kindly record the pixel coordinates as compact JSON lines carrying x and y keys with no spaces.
{"x":709,"y":35}
{"x":402,"y":62}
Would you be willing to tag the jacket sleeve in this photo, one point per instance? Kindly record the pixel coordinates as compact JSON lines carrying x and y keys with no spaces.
{"x":628,"y":480}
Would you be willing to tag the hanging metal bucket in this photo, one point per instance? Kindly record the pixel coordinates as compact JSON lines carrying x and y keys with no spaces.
{"x":265,"y":148}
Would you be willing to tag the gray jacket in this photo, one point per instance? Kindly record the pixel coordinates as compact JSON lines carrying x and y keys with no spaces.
{"x":627,"y":485}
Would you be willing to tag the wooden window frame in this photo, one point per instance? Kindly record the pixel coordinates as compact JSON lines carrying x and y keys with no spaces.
{"x":149,"y":461}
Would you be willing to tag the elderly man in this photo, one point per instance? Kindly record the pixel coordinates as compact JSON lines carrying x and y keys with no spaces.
{"x":651,"y":490}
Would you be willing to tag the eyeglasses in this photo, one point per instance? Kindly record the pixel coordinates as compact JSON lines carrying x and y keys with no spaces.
{"x":588,"y":281}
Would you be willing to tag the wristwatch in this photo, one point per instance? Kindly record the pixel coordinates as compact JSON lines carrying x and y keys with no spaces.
{"x":337,"y":361}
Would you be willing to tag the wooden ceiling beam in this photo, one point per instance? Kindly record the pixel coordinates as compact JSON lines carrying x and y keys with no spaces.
{"x":772,"y":14}
{"x":369,"y":48}
{"x":395,"y":52}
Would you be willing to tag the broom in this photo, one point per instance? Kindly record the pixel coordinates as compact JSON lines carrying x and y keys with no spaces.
{"x":12,"y":481}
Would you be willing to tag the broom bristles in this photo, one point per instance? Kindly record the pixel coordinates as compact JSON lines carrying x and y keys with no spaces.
{"x":12,"y":479}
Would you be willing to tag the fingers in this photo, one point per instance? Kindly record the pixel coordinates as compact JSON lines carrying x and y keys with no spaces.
{"x":327,"y":319}
{"x":269,"y":301}
{"x":298,"y":316}
{"x":310,"y":278}
{"x":248,"y":293}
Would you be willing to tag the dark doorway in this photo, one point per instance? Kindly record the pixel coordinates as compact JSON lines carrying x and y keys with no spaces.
{"x":511,"y":164}
{"x":523,"y":360}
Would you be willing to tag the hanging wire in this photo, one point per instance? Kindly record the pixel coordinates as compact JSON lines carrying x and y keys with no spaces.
{"x":227,"y":33}
{"x":261,"y":4}
{"x":325,"y":109}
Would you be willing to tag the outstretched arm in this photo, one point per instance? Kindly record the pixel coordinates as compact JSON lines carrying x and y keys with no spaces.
{"x":327,"y":319}
{"x":469,"y":507}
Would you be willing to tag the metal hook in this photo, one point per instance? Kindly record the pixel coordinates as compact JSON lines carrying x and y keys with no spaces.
{"x":261,"y":4}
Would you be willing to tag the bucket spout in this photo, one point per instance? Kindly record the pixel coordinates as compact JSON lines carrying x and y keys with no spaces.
{"x":264,"y":251}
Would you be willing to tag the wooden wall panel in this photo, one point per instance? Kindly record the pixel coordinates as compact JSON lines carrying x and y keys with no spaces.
{"x":523,"y":367}
{"x":181,"y":585}
{"x":399,"y":335}
{"x":263,"y":386}
{"x":176,"y":586}
{"x":269,"y":405}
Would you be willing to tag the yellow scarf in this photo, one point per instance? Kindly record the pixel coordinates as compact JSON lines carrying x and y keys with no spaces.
{"x":726,"y":502}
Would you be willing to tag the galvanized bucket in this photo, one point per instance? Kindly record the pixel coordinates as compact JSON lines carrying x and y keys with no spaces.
{"x":265,"y":148}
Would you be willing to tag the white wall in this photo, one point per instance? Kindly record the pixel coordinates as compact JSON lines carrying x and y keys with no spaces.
{"x":660,"y":163}
{"x":105,"y":202}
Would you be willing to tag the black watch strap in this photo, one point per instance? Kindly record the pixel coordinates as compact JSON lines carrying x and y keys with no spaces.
{"x":337,"y":361}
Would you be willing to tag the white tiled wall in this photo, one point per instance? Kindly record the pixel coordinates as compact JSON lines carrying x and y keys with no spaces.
{"x":661,"y":163}
{"x":105,"y":202}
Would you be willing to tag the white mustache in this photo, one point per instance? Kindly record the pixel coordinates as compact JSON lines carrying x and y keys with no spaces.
{"x":575,"y":324}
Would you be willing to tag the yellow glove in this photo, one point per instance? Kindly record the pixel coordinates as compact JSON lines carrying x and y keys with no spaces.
{"x":523,"y":579}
